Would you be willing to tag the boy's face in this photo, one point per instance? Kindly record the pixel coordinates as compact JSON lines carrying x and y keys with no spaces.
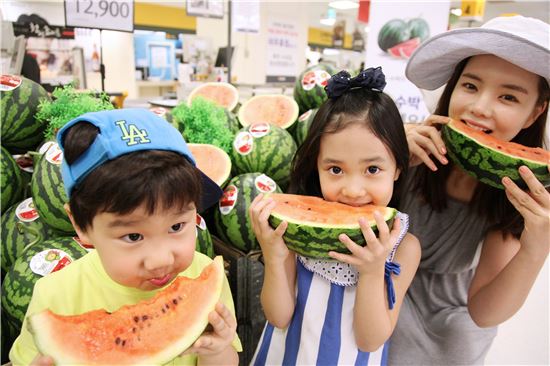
{"x":144,"y":251}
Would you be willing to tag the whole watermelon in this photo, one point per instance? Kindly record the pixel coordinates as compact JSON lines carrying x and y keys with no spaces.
{"x":35,"y":262}
{"x":12,"y":183}
{"x":204,"y":243}
{"x":302,"y":126}
{"x":419,"y":28}
{"x":20,"y":97}
{"x":48,"y":190}
{"x":393,"y":32}
{"x":21,"y":226}
{"x":264,"y":148}
{"x":309,"y":89}
{"x":232,"y":220}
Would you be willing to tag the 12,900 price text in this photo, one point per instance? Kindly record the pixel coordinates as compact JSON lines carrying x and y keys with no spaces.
{"x":103,"y":8}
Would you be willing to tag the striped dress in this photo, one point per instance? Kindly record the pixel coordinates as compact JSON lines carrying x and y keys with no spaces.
{"x":321,"y":329}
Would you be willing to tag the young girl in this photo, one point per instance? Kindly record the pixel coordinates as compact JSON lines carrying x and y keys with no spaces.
{"x":341,"y":311}
{"x":463,"y":290}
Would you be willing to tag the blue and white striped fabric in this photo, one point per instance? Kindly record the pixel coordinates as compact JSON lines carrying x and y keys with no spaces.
{"x":324,"y":336}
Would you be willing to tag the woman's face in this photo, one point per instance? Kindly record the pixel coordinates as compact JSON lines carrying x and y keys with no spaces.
{"x":495,"y":96}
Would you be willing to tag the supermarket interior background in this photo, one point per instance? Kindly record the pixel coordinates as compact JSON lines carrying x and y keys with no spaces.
{"x":171,"y":47}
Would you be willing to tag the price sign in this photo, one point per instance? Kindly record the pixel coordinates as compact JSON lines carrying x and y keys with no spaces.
{"x":100,"y":14}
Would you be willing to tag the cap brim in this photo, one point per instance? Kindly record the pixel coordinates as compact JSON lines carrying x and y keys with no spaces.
{"x":433,"y":62}
{"x":211,"y":192}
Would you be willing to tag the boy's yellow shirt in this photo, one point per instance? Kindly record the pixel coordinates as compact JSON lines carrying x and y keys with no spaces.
{"x":83,"y":286}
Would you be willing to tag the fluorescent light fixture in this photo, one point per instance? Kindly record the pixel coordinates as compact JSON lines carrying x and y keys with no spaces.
{"x":343,"y":4}
{"x":367,"y":28}
{"x":330,"y":52}
{"x":456,"y":11}
{"x":328,"y":21}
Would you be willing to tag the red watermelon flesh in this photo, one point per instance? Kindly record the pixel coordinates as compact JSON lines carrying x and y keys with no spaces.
{"x":404,"y":49}
{"x":153,"y":331}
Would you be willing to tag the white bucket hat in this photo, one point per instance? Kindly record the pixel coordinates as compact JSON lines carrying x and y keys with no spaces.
{"x":522,"y":41}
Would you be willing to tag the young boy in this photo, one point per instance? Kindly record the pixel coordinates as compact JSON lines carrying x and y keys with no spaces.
{"x":134,"y":192}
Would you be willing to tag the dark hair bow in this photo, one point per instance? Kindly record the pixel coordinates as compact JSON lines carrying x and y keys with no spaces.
{"x":372,"y":78}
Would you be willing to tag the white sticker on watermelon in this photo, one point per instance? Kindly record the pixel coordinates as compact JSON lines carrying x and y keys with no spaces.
{"x":228,"y":200}
{"x":48,"y":261}
{"x":10,"y":82}
{"x":54,"y":155}
{"x":201,"y":223}
{"x":26,"y":211}
{"x":265,"y":184}
{"x":321,"y":78}
{"x":259,"y":129}
{"x":243,"y":143}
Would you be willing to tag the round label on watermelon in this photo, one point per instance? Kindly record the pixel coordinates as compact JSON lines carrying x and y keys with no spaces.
{"x":259,"y":129}
{"x":10,"y":82}
{"x":229,"y":199}
{"x":304,"y":116}
{"x":26,"y":211}
{"x":47,"y":145}
{"x":24,"y":162}
{"x":159,"y":111}
{"x":201,"y":223}
{"x":314,"y":78}
{"x":49,"y":261}
{"x":265,"y":184}
{"x":86,"y":246}
{"x":243,"y":143}
{"x":54,"y":155}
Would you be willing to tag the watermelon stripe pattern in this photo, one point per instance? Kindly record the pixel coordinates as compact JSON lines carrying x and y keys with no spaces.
{"x":316,"y":242}
{"x":48,"y":192}
{"x":18,"y":284}
{"x":234,"y":225}
{"x":303,"y":125}
{"x":487,"y":165}
{"x":12,"y":186}
{"x":17,"y":234}
{"x":270,"y":154}
{"x":20,"y":131}
{"x":309,"y":89}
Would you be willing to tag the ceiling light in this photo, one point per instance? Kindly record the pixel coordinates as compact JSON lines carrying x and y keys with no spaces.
{"x":343,"y":4}
{"x":328,"y":21}
{"x":330,"y":52}
{"x":367,"y":29}
{"x":456,"y":11}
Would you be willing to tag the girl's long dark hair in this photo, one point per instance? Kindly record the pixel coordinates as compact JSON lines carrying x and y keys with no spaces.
{"x":487,"y":201}
{"x":373,"y":109}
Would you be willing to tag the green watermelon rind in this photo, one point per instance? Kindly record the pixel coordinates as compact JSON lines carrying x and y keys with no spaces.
{"x":316,"y":240}
{"x":488,"y":165}
{"x":310,"y":99}
{"x":12,"y":183}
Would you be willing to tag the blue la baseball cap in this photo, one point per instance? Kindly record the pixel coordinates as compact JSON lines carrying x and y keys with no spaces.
{"x":122,"y":131}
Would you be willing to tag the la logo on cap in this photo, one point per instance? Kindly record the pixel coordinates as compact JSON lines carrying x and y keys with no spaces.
{"x":131,"y":134}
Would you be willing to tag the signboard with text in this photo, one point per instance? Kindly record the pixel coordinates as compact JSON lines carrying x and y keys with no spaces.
{"x":115,"y":15}
{"x":397,"y":28}
{"x":282,"y":50}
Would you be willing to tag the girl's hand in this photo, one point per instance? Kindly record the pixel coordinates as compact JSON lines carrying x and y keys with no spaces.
{"x":371,"y":258}
{"x":271,"y":241}
{"x":42,"y":361}
{"x":224,"y":328}
{"x":425,"y":140}
{"x":534,"y":206}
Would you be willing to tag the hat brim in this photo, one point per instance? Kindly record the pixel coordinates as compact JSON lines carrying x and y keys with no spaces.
{"x":211,"y":192}
{"x":434,"y":61}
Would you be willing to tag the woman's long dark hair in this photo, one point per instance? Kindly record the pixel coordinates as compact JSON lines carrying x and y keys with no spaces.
{"x":487,"y":201}
{"x":372,"y":109}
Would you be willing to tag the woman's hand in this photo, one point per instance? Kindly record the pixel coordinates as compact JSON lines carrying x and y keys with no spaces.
{"x":371,"y":258}
{"x":534,"y":206}
{"x":271,"y":241}
{"x":425,"y":141}
{"x":224,"y":329}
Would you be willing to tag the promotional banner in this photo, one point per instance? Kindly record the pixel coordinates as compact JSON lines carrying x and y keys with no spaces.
{"x":397,"y":28}
{"x":245,"y":16}
{"x":282,"y":50}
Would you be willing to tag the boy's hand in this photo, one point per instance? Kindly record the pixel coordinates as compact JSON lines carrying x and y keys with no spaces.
{"x":42,"y":361}
{"x":371,"y":258}
{"x":224,"y":329}
{"x":271,"y":241}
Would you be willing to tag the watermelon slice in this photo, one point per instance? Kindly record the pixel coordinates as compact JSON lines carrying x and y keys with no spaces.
{"x":153,"y":331}
{"x":489,"y":159}
{"x":223,"y":94}
{"x":212,"y":161}
{"x":279,"y":110}
{"x":404,"y":49}
{"x":315,"y":224}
